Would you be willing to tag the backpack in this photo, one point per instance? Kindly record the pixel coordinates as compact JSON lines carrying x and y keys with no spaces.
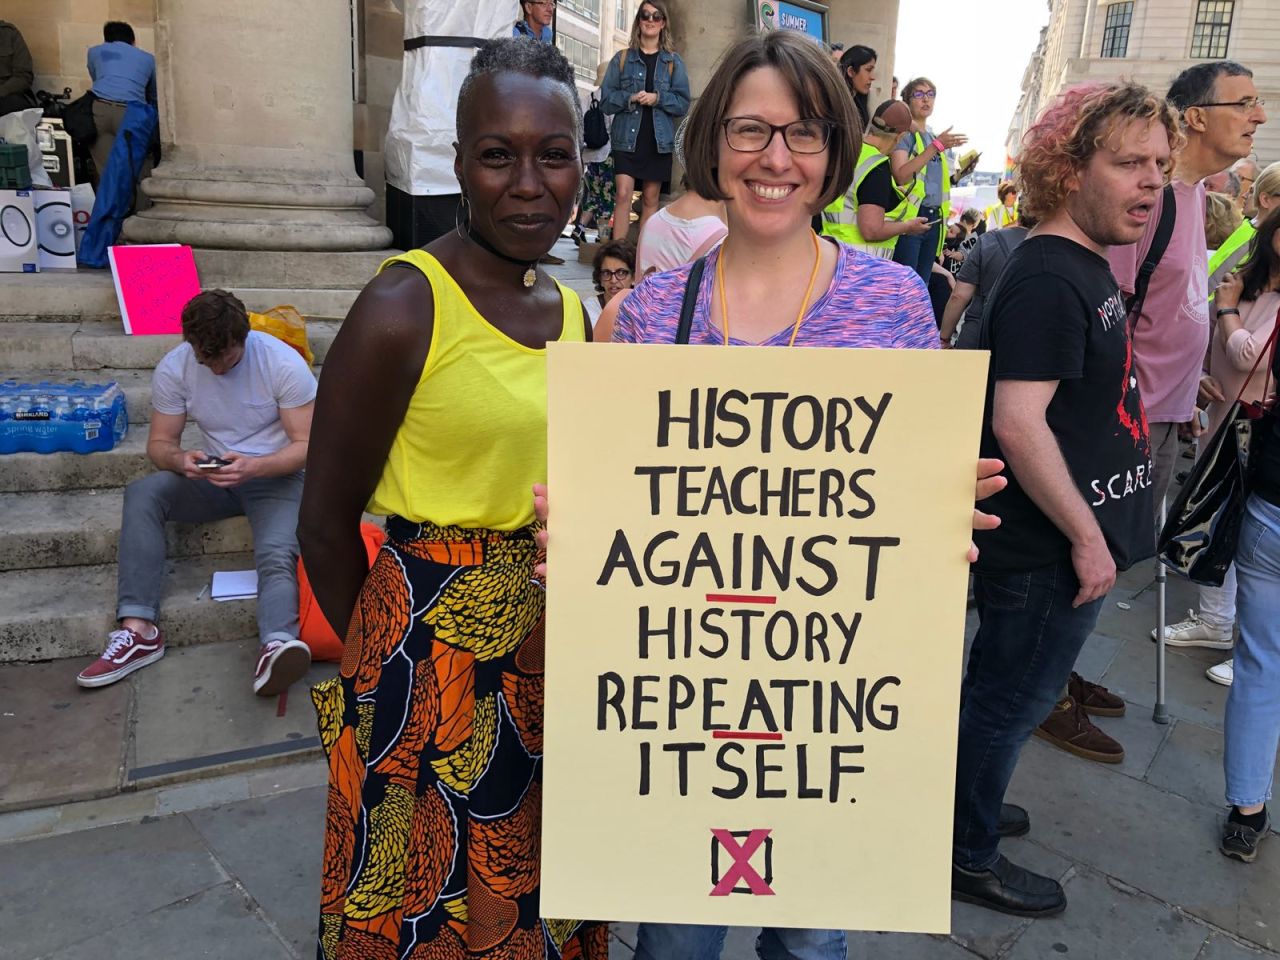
{"x":595,"y":130}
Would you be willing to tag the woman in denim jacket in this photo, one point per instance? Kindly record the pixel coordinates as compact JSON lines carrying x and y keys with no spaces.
{"x":647,"y":90}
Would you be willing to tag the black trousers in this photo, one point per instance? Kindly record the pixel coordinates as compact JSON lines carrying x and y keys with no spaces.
{"x":415,"y":221}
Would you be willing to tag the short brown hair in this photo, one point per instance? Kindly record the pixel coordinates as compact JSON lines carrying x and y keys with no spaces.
{"x":623,"y":250}
{"x":214,"y":321}
{"x":914,"y":84}
{"x":1006,"y":187}
{"x":817,"y":87}
{"x":1073,"y":128}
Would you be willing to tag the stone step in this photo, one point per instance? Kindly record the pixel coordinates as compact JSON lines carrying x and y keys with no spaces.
{"x":103,"y":345}
{"x":66,"y":296}
{"x":302,"y":271}
{"x":82,"y":527}
{"x":44,"y":472}
{"x":50,"y":614}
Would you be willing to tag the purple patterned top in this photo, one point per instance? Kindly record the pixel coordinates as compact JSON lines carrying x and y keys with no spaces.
{"x":872,"y":302}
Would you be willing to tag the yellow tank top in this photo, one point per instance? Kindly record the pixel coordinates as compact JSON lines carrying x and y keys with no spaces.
{"x":474,"y":439}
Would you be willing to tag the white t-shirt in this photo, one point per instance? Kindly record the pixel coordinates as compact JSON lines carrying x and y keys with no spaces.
{"x":668,"y":241}
{"x":238,"y":411}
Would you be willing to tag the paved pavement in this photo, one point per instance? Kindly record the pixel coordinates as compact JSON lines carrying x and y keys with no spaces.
{"x":177,"y":815}
{"x":227,"y":866}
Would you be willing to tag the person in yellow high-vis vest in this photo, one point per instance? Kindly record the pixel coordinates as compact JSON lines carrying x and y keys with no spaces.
{"x":874,"y":213}
{"x":920,"y":154}
{"x":1005,"y":213}
{"x":1234,"y":253}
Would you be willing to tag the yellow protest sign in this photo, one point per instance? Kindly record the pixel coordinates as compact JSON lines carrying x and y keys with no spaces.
{"x":755,"y":621}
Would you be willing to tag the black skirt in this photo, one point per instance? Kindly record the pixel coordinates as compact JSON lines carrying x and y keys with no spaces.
{"x":645,"y":163}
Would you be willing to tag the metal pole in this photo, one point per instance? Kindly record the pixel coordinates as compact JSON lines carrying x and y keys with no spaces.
{"x":1161,"y":712}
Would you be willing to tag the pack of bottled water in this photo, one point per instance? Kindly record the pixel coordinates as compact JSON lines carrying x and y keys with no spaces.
{"x":55,"y":417}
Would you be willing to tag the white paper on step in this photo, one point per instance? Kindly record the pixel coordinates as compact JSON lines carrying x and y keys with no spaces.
{"x":235,"y":584}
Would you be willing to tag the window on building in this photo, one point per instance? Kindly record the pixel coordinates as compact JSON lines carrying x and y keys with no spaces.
{"x":1115,"y":36}
{"x":588,"y":9}
{"x":585,"y":57}
{"x":620,"y":19}
{"x":1212,"y":29}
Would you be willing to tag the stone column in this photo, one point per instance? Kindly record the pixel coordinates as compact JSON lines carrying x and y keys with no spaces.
{"x":256,"y":121}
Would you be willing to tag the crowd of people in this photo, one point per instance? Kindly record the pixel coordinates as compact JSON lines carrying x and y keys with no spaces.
{"x":1099,"y":321}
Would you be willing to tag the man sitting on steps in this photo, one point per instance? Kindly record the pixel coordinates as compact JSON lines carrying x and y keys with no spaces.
{"x":252,"y":397}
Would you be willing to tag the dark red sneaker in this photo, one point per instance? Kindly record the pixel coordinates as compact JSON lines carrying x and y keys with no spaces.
{"x":126,"y":652}
{"x":1069,"y":727}
{"x":1096,"y":699}
{"x":280,"y":664}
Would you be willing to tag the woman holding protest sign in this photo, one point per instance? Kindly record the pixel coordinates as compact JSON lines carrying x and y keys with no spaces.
{"x":433,"y":729}
{"x":775,"y":136}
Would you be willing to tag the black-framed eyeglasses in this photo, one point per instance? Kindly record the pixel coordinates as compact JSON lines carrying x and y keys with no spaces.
{"x":749,"y":135}
{"x":620,"y":274}
{"x":1247,"y":104}
{"x":924,"y":94}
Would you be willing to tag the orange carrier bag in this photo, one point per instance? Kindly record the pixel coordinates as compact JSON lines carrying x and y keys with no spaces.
{"x":286,"y":324}
{"x":313,"y":628}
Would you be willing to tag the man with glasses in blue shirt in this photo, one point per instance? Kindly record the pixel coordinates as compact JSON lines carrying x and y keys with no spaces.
{"x":536,"y":22}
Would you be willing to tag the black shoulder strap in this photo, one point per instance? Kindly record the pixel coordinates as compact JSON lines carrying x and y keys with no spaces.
{"x":690,"y":299}
{"x":1159,"y":243}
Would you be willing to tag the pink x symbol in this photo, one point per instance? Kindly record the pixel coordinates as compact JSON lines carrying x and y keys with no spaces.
{"x":741,"y":868}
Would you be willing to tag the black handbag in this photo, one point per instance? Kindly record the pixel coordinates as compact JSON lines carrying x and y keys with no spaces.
{"x":1203,"y":525}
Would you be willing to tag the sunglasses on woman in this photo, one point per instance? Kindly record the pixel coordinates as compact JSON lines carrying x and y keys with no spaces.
{"x":648,"y":17}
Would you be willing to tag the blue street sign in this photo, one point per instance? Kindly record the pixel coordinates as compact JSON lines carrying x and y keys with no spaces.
{"x":792,"y":16}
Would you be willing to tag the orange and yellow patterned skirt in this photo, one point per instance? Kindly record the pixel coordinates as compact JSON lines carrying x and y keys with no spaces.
{"x":433,"y":731}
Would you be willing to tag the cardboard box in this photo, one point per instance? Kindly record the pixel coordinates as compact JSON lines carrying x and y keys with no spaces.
{"x":18,"y":247}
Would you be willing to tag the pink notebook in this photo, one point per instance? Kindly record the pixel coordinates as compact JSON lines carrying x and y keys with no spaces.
{"x":153,"y":284}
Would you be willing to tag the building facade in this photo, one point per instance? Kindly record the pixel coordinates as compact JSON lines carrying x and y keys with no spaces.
{"x":1151,"y":41}
{"x":273,"y":115}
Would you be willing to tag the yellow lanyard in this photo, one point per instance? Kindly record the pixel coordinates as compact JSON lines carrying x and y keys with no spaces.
{"x":804,"y":306}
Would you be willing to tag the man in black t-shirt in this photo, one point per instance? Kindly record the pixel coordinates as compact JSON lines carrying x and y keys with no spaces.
{"x":1064,"y":412}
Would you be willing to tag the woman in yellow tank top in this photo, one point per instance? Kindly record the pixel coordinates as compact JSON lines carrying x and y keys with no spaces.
{"x":432,"y":411}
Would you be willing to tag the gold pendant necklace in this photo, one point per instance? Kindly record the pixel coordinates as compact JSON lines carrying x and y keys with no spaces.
{"x":530,"y":277}
{"x":804,"y":304}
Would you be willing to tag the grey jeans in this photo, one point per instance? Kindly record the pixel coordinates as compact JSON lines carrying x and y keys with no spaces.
{"x":271,"y":504}
{"x":1164,"y":462}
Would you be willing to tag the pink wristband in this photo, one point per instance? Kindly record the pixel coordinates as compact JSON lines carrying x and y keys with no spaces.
{"x":937,"y":143}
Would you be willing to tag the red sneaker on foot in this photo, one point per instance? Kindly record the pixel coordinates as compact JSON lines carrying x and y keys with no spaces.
{"x":126,"y":652}
{"x":279,"y":665}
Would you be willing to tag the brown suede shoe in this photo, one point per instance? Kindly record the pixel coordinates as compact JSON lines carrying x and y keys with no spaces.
{"x":1069,"y":727}
{"x":1096,"y":699}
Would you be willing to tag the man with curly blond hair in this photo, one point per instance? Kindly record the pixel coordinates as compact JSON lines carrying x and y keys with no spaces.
{"x":1065,"y":414}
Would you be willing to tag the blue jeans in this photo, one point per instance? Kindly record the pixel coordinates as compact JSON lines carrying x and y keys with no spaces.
{"x":680,"y":941}
{"x":1028,"y":638}
{"x":1253,"y":707}
{"x":920,"y":253}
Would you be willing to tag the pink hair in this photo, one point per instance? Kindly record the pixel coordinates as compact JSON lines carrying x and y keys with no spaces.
{"x":1078,"y":123}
